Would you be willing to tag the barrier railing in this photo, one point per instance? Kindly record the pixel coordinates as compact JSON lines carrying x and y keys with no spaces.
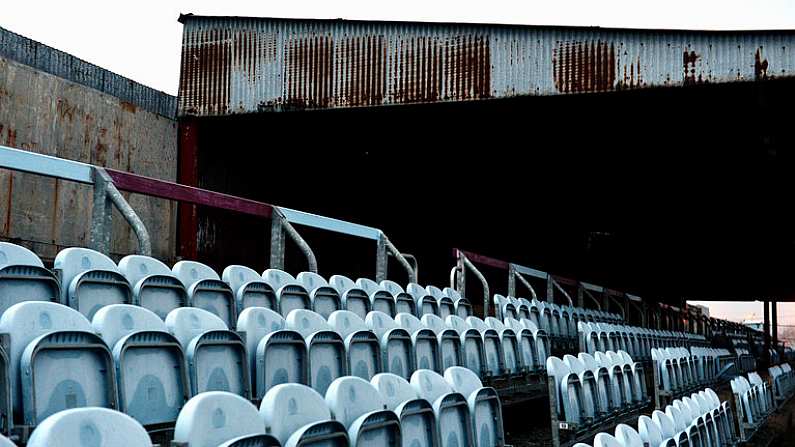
{"x":108,"y":182}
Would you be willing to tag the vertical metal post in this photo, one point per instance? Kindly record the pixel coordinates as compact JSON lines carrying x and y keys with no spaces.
{"x":277,"y":241}
{"x":774,"y":318}
{"x":605,"y":301}
{"x":550,"y":289}
{"x":766,"y":328}
{"x":101,"y":214}
{"x":461,"y":277}
{"x":580,"y":296}
{"x":381,"y":260}
{"x":511,"y":280}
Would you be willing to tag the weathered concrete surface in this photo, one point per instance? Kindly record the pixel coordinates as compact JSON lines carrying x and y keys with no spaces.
{"x":47,"y":114}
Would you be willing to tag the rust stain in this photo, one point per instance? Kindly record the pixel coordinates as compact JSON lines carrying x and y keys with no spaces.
{"x":11,"y":137}
{"x":309,"y":74}
{"x":128,"y":106}
{"x":760,"y":65}
{"x":584,"y":67}
{"x":689,"y":60}
{"x":100,"y":155}
{"x":65,"y":110}
{"x":7,"y":226}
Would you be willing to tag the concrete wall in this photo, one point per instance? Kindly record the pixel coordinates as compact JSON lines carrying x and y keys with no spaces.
{"x":48,"y":114}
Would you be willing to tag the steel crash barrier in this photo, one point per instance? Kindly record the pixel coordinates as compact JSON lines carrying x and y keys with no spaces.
{"x":107,"y":184}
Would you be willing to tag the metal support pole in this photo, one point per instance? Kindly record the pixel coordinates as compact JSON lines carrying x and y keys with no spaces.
{"x":511,"y":280}
{"x":581,"y":296}
{"x":289,"y":230}
{"x":412,"y":274}
{"x":550,"y":289}
{"x":766,"y":329}
{"x":101,"y":214}
{"x":381,"y":260}
{"x":467,"y":265}
{"x":461,"y":283}
{"x":277,"y":241}
{"x":105,"y":197}
{"x":774,"y":318}
{"x":415,"y":265}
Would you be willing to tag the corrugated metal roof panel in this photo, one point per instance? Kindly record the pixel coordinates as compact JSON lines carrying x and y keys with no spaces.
{"x":242,"y":65}
{"x":64,"y":65}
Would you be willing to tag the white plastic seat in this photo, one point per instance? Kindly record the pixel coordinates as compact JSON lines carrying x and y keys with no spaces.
{"x":290,"y":295}
{"x":424,"y":302}
{"x":606,"y":440}
{"x":592,"y":400}
{"x":463,"y":308}
{"x":150,"y":365}
{"x":24,"y":278}
{"x":444,"y":303}
{"x":55,"y":362}
{"x":90,"y":280}
{"x":472,"y":349}
{"x":216,"y":356}
{"x":638,"y":375}
{"x":215,"y":417}
{"x":325,"y":299}
{"x":207,"y":291}
{"x":681,"y":421}
{"x":484,"y":406}
{"x":404,"y":302}
{"x":353,"y":297}
{"x":325,"y":347}
{"x":619,"y":385}
{"x":276,"y":355}
{"x":362,"y":346}
{"x":90,"y":426}
{"x":397,"y":352}
{"x":492,"y":346}
{"x":451,"y":408}
{"x":417,"y":420}
{"x":664,"y":423}
{"x":450,"y":352}
{"x":606,"y":402}
{"x":569,"y":392}
{"x":423,"y":342}
{"x":292,"y":408}
{"x":358,"y":405}
{"x":381,"y":299}
{"x":249,"y":288}
{"x":510,"y":346}
{"x":649,"y":432}
{"x":503,"y":307}
{"x":154,"y":285}
{"x":525,"y":343}
{"x":627,"y":436}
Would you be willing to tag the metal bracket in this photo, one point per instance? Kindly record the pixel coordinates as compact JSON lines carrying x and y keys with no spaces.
{"x":280,"y":227}
{"x":105,"y":197}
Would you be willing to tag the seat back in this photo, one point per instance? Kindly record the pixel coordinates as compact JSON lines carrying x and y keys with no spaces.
{"x":41,"y":333}
{"x":90,"y":280}
{"x":207,"y":291}
{"x":249,"y":288}
{"x":151,"y":374}
{"x":288,"y":407}
{"x":214,"y":417}
{"x":484,"y":406}
{"x":397,"y":351}
{"x":453,"y":417}
{"x":154,"y":285}
{"x":256,"y":323}
{"x":326,"y":349}
{"x":282,"y":357}
{"x":216,"y":356}
{"x":417,"y":421}
{"x":24,"y":278}
{"x":425,"y":303}
{"x":354,"y":298}
{"x":290,"y":294}
{"x":649,"y":432}
{"x":362,"y":346}
{"x":91,"y":426}
{"x":358,"y":405}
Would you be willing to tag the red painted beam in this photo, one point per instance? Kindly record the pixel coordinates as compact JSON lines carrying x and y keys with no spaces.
{"x":187,"y":194}
{"x":483,"y":260}
{"x":565,"y":281}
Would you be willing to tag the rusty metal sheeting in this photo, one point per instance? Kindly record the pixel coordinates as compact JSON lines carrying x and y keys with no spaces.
{"x":49,"y":60}
{"x":241,"y":65}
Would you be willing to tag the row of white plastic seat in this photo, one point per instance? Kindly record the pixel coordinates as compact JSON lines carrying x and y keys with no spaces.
{"x":128,"y":349}
{"x":783,"y":379}
{"x":86,"y":280}
{"x":555,"y":320}
{"x":428,"y":411}
{"x":591,"y":389}
{"x":681,"y":369}
{"x":753,"y":400}
{"x":637,"y":341}
{"x":700,"y":420}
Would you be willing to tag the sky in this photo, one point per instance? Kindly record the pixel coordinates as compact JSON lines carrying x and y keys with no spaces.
{"x":141,"y":40}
